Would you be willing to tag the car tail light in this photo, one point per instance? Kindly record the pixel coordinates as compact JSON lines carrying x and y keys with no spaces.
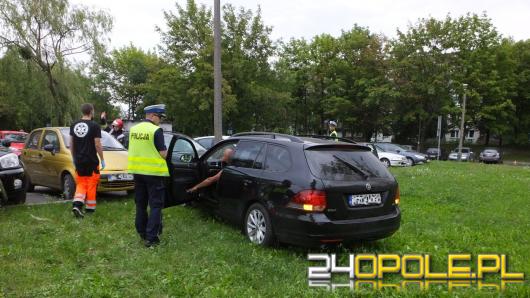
{"x":397,"y":197}
{"x":309,"y":200}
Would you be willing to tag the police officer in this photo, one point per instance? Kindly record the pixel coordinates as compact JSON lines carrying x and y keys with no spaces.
{"x":147,"y":161}
{"x":333,"y":129}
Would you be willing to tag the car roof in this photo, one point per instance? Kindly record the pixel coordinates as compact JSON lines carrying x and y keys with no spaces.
{"x":290,"y":140}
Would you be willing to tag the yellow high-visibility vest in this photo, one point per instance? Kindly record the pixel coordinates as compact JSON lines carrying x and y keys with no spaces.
{"x":144,"y":158}
{"x":334,"y":135}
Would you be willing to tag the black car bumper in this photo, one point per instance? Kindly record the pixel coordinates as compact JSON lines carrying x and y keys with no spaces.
{"x":314,"y":229}
{"x":13,"y":181}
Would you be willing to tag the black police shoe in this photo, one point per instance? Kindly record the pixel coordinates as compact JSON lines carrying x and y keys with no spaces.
{"x":151,"y":243}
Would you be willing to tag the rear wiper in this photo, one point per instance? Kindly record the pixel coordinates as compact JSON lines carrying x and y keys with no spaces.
{"x":352,"y":166}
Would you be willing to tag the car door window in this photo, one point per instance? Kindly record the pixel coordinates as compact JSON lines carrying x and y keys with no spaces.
{"x":50,"y":138}
{"x":218,"y":153}
{"x":246,"y":154}
{"x":182,"y":151}
{"x":33,"y":142}
{"x":259,"y":163}
{"x":206,"y":143}
{"x":278,"y":159}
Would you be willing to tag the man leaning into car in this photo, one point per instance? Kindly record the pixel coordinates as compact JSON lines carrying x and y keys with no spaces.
{"x":85,"y":145}
{"x":227,"y":155}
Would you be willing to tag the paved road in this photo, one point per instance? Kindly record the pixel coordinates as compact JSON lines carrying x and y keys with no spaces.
{"x":44,"y":195}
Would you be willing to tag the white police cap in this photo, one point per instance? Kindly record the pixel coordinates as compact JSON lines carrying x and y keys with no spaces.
{"x":156,"y":109}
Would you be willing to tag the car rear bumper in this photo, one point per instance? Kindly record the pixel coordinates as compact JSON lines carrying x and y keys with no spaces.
{"x":490,"y":159}
{"x":315,"y":229}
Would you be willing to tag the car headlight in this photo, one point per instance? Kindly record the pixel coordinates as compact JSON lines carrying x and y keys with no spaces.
{"x":9,"y":161}
{"x":419,"y":156}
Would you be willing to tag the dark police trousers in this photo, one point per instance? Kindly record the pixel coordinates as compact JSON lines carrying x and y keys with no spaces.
{"x":149,"y":190}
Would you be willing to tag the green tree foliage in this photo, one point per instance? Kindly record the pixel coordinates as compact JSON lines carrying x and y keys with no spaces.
{"x":123,"y":76}
{"x":520,"y":53}
{"x":341,"y":78}
{"x":46,"y":33}
{"x":431,"y":62}
{"x":25,"y":100}
{"x":251,"y":97}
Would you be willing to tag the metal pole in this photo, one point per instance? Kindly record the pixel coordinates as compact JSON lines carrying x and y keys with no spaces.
{"x":439,"y":135}
{"x":461,"y":132}
{"x":218,"y":100}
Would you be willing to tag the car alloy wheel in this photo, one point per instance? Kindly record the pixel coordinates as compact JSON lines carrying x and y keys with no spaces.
{"x":411,"y":161}
{"x":386,"y":162}
{"x":257,"y":225}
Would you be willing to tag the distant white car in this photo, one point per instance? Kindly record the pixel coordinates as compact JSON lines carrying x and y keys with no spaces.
{"x":392,"y":159}
{"x":207,"y":141}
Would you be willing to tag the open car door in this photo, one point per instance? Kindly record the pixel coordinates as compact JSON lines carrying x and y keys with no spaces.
{"x":183,"y":164}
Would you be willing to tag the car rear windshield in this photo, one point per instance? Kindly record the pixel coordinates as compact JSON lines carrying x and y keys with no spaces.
{"x":16,"y":137}
{"x":344,"y":164}
{"x":490,"y":151}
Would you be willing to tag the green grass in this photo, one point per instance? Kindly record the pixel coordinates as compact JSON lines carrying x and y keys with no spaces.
{"x":447,"y":208}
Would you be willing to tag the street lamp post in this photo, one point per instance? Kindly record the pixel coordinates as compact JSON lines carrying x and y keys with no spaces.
{"x":218,"y":100}
{"x":461,"y":132}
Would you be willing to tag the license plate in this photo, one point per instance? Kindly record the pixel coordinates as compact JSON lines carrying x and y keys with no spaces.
{"x":120,"y":177}
{"x":364,"y":199}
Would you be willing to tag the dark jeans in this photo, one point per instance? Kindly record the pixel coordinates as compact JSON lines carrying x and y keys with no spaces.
{"x":149,"y":190}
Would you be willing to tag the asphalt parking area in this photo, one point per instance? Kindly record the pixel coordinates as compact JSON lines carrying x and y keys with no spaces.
{"x":45,"y":195}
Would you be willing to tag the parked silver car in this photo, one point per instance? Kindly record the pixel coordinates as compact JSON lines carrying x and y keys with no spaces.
{"x":467,"y":154}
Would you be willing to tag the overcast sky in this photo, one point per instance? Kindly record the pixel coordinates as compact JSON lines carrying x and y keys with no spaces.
{"x":135,"y":20}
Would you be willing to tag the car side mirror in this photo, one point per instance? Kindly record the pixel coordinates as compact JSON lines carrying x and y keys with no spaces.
{"x":6,"y":143}
{"x":50,"y":148}
{"x":186,"y":157}
{"x":398,"y":151}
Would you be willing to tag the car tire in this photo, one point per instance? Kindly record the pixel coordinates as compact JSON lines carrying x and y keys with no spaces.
{"x":386,"y":162}
{"x":19,"y":198}
{"x":257,"y":226}
{"x":68,"y":187}
{"x":411,"y":161}
{"x":30,"y":187}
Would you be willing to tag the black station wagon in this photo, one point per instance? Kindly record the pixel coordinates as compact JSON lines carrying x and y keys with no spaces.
{"x":281,"y":188}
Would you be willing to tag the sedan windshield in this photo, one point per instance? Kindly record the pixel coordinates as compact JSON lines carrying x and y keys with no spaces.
{"x":108,"y":142}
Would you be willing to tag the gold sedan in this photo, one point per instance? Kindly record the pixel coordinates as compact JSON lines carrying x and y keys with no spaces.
{"x":48,"y":162}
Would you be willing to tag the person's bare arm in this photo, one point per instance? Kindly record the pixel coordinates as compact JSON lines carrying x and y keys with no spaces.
{"x":206,"y":182}
{"x":99,"y":148}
